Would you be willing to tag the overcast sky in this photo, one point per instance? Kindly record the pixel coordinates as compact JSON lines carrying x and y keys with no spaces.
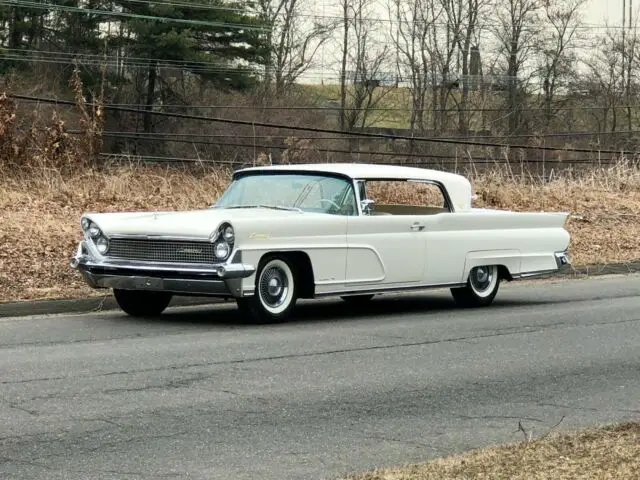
{"x":598,"y":10}
{"x":595,"y":12}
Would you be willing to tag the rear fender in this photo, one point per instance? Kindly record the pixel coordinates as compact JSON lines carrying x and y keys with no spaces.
{"x":509,"y":259}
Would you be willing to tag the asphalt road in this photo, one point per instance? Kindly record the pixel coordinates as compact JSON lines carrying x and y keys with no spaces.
{"x":194,"y":395}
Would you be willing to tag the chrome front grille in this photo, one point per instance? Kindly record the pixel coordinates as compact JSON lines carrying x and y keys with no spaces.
{"x":171,"y":251}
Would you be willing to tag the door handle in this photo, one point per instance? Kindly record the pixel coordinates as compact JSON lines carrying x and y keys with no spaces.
{"x":417,"y":226}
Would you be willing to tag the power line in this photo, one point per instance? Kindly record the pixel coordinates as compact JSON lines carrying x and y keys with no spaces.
{"x":398,"y":161}
{"x":372,"y":109}
{"x":194,"y":6}
{"x":194,"y":66}
{"x":327,"y":130}
{"x":249,"y":12}
{"x":458,"y":159}
{"x":65,"y":8}
{"x":165,"y":135}
{"x":294,"y":148}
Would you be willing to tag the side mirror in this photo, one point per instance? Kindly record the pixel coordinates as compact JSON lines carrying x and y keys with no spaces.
{"x":367,"y":206}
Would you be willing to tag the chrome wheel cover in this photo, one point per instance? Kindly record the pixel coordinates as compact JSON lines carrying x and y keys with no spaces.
{"x":273,"y":286}
{"x":483,"y":279}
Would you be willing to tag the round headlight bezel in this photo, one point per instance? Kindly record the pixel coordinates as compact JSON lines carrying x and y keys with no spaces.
{"x":219,"y":256}
{"x":102,"y":244}
{"x":228,"y":234}
{"x":94,"y":231}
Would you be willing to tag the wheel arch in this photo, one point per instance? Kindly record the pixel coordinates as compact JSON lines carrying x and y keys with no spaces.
{"x":507,"y":261}
{"x":303,"y":269}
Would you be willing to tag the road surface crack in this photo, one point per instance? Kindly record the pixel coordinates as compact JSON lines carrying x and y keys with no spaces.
{"x":525,"y":329}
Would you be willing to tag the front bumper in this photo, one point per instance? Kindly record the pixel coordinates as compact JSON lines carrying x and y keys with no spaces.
{"x":219,"y":280}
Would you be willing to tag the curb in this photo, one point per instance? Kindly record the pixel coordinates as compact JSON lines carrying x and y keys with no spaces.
{"x":84,"y":305}
{"x":597,"y":269}
{"x":105,"y":303}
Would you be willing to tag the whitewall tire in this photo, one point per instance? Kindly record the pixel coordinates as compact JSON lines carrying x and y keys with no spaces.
{"x":481,"y":288}
{"x":275,"y":292}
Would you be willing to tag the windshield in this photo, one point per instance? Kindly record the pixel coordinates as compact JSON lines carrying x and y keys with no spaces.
{"x":306,"y":192}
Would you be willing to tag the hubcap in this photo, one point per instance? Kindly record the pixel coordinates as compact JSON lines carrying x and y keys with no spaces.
{"x":273,"y":287}
{"x":481,"y":278}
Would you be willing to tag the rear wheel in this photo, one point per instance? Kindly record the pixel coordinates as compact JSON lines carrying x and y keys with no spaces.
{"x":141,"y":303}
{"x":481,"y":288}
{"x":275,"y":292}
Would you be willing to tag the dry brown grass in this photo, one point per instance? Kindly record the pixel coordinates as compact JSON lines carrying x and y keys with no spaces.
{"x":40,"y":211}
{"x":607,"y":453}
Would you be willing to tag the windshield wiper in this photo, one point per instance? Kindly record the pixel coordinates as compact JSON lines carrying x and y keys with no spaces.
{"x":273,"y":207}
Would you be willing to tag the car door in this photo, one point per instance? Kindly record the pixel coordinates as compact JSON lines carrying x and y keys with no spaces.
{"x":385,"y":250}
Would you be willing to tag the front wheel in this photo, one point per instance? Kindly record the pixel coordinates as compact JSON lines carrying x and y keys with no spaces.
{"x":275,"y":292}
{"x":481,"y":288}
{"x":140,"y":303}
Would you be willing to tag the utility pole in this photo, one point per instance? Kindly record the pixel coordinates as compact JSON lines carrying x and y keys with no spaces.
{"x":627,"y":61}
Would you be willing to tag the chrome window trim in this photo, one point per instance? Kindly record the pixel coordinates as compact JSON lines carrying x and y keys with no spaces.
{"x":443,"y":190}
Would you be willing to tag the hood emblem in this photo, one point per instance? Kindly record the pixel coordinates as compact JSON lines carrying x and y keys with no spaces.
{"x":190,"y":250}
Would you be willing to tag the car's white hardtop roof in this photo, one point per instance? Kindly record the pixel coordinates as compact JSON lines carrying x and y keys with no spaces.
{"x":364,"y":171}
{"x":457,"y":186}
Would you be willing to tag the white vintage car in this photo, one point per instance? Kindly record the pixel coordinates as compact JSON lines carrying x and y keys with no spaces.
{"x":279,"y":233}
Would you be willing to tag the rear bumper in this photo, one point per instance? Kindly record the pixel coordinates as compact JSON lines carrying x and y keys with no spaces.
{"x":219,"y":280}
{"x":562,"y":261}
{"x":563,"y":265}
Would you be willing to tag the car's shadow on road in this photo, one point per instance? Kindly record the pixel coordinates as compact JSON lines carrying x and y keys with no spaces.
{"x":309,"y":312}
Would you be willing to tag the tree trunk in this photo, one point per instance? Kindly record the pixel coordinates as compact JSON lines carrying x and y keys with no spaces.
{"x":463,"y":118}
{"x":151,"y":90}
{"x":512,"y":72}
{"x":343,"y":73}
{"x":15,"y":33}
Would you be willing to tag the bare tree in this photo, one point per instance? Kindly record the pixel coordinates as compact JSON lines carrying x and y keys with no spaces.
{"x":602,"y":83}
{"x":444,"y":44}
{"x":467,"y":37}
{"x":293,"y":41}
{"x":411,"y":23}
{"x":363,"y":53}
{"x":517,"y":32}
{"x":557,"y":58}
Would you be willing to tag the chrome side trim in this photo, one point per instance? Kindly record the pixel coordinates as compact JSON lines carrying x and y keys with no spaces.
{"x":536,"y":273}
{"x":389,"y":289}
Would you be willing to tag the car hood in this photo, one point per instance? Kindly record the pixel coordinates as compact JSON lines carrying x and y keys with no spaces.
{"x":191,"y":223}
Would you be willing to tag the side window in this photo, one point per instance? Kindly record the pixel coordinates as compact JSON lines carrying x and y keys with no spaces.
{"x":399,"y":197}
{"x":329,"y":195}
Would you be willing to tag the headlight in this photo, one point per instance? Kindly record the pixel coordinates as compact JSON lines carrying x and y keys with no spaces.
{"x":228,"y":234}
{"x":94,"y":231}
{"x":102,"y":244}
{"x":222,"y":250}
{"x":86,"y":223}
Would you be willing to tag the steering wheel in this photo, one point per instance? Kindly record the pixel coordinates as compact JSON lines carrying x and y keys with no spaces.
{"x":337,"y":207}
